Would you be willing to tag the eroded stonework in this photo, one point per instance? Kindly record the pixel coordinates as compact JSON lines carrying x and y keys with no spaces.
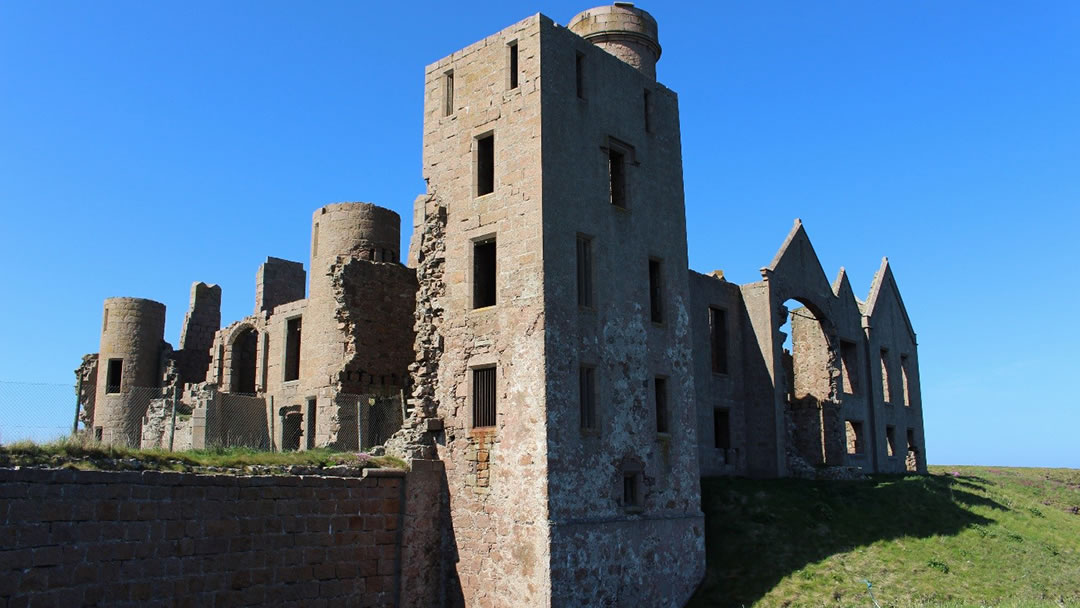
{"x":545,"y":343}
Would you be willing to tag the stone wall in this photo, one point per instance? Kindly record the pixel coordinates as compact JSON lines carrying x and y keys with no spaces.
{"x":201,"y":323}
{"x":278,"y":282}
{"x":163,"y":539}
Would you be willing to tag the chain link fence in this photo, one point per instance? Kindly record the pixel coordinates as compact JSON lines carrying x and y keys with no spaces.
{"x":197,"y":417}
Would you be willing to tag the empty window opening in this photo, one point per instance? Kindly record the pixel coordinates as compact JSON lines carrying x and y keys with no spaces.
{"x":315,"y":240}
{"x":579,"y":75}
{"x":587,"y":390}
{"x":647,"y":99}
{"x":656,"y":294}
{"x":722,"y":428}
{"x":513,"y":65}
{"x":292,"y":349}
{"x":905,"y":386}
{"x":483,"y":401}
{"x":631,"y":494}
{"x":309,"y":419}
{"x":448,"y":93}
{"x":911,"y":462}
{"x":849,"y":367}
{"x":485,"y":164}
{"x":243,"y":360}
{"x":617,"y":177}
{"x":484,"y":273}
{"x":854,"y":432}
{"x":98,"y":432}
{"x":105,"y":322}
{"x":886,"y":393}
{"x":890,"y":440}
{"x":660,"y":386}
{"x":114,"y":375}
{"x":584,"y":272}
{"x":718,"y":338}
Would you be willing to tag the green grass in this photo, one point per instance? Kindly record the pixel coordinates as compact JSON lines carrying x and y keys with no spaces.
{"x":79,"y":452}
{"x":962,"y":536}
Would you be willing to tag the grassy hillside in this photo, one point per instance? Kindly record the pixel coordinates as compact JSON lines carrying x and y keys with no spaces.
{"x":962,"y":536}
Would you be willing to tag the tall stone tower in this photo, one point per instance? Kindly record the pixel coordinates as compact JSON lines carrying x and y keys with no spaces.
{"x":565,"y":379}
{"x":129,"y":361}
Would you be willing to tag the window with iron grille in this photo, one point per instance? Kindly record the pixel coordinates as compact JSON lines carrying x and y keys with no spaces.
{"x":483,"y":401}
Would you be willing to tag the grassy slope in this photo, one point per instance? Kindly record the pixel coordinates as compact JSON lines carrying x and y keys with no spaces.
{"x":87,"y":454}
{"x":961,"y":536}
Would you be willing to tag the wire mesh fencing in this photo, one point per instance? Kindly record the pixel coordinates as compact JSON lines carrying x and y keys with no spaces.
{"x":37,"y":412}
{"x":196,"y":417}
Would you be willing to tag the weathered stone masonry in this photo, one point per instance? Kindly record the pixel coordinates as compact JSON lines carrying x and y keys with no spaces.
{"x":557,"y":356}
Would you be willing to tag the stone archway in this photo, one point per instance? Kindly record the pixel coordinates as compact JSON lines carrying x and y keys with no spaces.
{"x":242,"y":360}
{"x":810,"y":359}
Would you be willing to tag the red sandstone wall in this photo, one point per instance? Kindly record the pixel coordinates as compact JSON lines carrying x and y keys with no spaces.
{"x":73,"y":538}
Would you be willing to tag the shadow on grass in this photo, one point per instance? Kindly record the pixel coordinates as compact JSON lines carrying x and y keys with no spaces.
{"x":759,"y":532}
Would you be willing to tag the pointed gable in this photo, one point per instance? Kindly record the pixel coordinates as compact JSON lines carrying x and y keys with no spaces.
{"x":797,"y":265}
{"x":883,"y":289}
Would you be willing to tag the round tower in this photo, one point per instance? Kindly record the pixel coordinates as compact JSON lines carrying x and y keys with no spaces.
{"x":626,"y":32}
{"x":339,"y":232}
{"x":132,"y":334}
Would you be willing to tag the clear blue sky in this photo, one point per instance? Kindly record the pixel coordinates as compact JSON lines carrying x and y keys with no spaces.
{"x":147,"y":145}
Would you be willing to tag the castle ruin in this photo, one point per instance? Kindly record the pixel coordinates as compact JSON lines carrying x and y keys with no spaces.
{"x":552,"y":348}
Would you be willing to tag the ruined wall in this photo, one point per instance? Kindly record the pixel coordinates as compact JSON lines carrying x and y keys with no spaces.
{"x":891,"y":342}
{"x":86,"y":386}
{"x":278,"y":282}
{"x":720,"y":390}
{"x":600,"y":542}
{"x":376,"y":302}
{"x":158,"y":538}
{"x":498,"y":542}
{"x":201,"y":323}
{"x":132,"y":332}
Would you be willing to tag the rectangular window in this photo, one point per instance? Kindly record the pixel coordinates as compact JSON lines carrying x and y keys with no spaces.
{"x":513,"y":64}
{"x":483,"y":399}
{"x":721,"y":429}
{"x":886,"y":393}
{"x":660,"y":386}
{"x":631,"y":494}
{"x":656,"y":294}
{"x":905,"y":386}
{"x":647,"y":99}
{"x":849,"y":367}
{"x":309,"y":424}
{"x":114,"y":375}
{"x":617,"y":177}
{"x":485,"y":164}
{"x":718,"y":338}
{"x":448,"y":93}
{"x":579,"y":75}
{"x":853,"y":430}
{"x":890,"y":440}
{"x":292,"y":349}
{"x":584,"y":272}
{"x":587,"y":392}
{"x":484,"y":273}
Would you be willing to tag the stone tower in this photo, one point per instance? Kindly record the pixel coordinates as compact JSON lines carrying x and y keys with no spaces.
{"x":132,"y":333}
{"x":565,"y":381}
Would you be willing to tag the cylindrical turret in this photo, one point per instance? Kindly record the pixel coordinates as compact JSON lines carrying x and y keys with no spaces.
{"x":624,"y":31}
{"x":129,"y":358}
{"x":339,"y":232}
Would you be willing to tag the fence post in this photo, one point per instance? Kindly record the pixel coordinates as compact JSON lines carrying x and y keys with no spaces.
{"x":172,"y":428}
{"x":78,"y":406}
{"x":359,"y":425}
{"x":273,"y":438}
{"x":404,"y":414}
